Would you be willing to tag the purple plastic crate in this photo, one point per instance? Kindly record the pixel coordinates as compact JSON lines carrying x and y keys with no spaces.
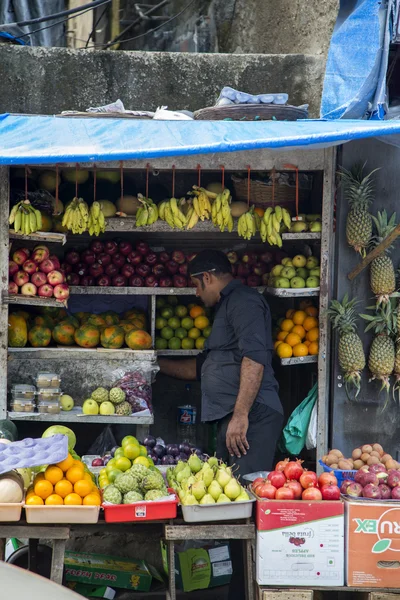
{"x":33,"y":452}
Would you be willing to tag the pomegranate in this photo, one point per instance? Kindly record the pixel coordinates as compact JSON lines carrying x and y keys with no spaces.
{"x":281,"y":465}
{"x":284,"y":493}
{"x":296,"y":487}
{"x":327,"y":479}
{"x":372,"y":491}
{"x":386,"y":492}
{"x":266,"y":490}
{"x":293,"y":469}
{"x":330,"y":492}
{"x":308,"y":478}
{"x":277,"y":479}
{"x":311,"y":493}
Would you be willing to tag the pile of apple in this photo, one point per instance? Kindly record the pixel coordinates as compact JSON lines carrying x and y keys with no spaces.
{"x":112,"y":264}
{"x":36,"y":273}
{"x":375,"y":482}
{"x":253,"y":268}
{"x":290,"y":481}
{"x":297,"y":272}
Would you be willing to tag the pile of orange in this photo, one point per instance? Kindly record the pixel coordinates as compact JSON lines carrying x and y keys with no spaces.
{"x":65,"y":483}
{"x":298,"y":333}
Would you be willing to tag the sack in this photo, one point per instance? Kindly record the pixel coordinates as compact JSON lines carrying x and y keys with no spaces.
{"x":103,"y":443}
{"x":311,"y":439}
{"x":295,"y":432}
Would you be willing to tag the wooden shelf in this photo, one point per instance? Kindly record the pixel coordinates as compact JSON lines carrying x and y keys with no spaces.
{"x":178,"y":352}
{"x":300,"y":360}
{"x":39,"y":236}
{"x":293,"y":292}
{"x":35,"y":301}
{"x":137,"y":291}
{"x":76,"y":416}
{"x":75,"y":353}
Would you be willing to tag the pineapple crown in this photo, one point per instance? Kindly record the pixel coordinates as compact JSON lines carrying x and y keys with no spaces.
{"x":343,"y":315}
{"x":383,"y":227}
{"x":384,"y":318}
{"x":358,"y":190}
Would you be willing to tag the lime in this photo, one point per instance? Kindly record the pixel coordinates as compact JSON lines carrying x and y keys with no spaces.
{"x":113,"y":474}
{"x":123,"y":463}
{"x":187,"y":323}
{"x":111,"y":465}
{"x":194,"y":333}
{"x":129,"y":439}
{"x":103,"y":472}
{"x":167,"y":312}
{"x":119,"y":452}
{"x":167,"y":333}
{"x":207,"y":331}
{"x":174,"y":343}
{"x":180,"y":333}
{"x":187,"y":344}
{"x":131,"y":451}
{"x":141,"y":460}
{"x":160,"y":322}
{"x":143,"y":450}
{"x":174,"y":322}
{"x":181,"y":311}
{"x":190,"y":306}
{"x":160,"y":302}
{"x":151,"y":461}
{"x":200,"y":343}
{"x":161,"y":344}
{"x":172,"y":300}
{"x":103,"y":482}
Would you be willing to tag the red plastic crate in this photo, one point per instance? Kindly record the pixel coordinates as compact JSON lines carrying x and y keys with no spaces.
{"x":140,"y":511}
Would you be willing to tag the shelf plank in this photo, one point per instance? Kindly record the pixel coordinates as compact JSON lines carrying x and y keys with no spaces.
{"x":137,"y":291}
{"x":178,"y":352}
{"x":305,"y":235}
{"x":78,"y":417}
{"x":39,"y":236}
{"x":293,"y":292}
{"x":73,"y":352}
{"x":300,"y":360}
{"x":35,"y":301}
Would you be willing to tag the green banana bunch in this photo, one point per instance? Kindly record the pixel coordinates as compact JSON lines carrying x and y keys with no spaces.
{"x":275,"y":220}
{"x":25,"y":218}
{"x":221,"y":211}
{"x":147,"y":214}
{"x":96,"y":221}
{"x":247,"y":224}
{"x":76,"y":217}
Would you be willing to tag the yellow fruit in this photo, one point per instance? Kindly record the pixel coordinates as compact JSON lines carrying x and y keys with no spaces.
{"x":141,"y":460}
{"x":300,"y":350}
{"x":201,"y":322}
{"x":313,"y":334}
{"x":293,"y":339}
{"x":83,"y":488}
{"x":313,"y":348}
{"x":200,"y":343}
{"x":34,"y":501}
{"x":299,"y":329}
{"x":38,"y":477}
{"x":54,"y":500}
{"x":63,"y":488}
{"x":194,"y":333}
{"x":74,"y":474}
{"x":282,"y":335}
{"x":43,"y":489}
{"x":310,"y":323}
{"x":311,"y":311}
{"x":53,"y":474}
{"x":88,"y":477}
{"x":66,"y":463}
{"x":299,"y":317}
{"x":92,"y":500}
{"x":287,"y":325}
{"x":73,"y":500}
{"x":276,"y":344}
{"x":305,"y":304}
{"x":307,"y":343}
{"x":284,"y":350}
{"x":290,"y":313}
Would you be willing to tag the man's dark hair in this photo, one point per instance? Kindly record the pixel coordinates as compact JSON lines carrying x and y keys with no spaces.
{"x":210,"y":260}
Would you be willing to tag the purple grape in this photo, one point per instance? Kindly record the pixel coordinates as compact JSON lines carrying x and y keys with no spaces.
{"x":150,"y":441}
{"x":184,"y":447}
{"x":159,"y":450}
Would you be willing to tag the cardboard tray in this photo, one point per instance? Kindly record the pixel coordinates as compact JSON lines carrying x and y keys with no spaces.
{"x":10,"y":512}
{"x":62,"y":514}
{"x":225,"y":511}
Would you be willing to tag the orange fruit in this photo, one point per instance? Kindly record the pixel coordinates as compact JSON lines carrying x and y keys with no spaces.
{"x":313,"y":348}
{"x":310,"y":323}
{"x":72,"y":500}
{"x":305,"y":303}
{"x":299,"y":329}
{"x":78,"y":463}
{"x":293,"y":339}
{"x":201,"y":322}
{"x":74,"y":473}
{"x":276,"y":344}
{"x":282,"y":335}
{"x":299,"y":317}
{"x":83,"y":488}
{"x":194,"y":333}
{"x":38,"y":477}
{"x":87,"y":477}
{"x":43,"y":489}
{"x":260,"y":211}
{"x":34,"y":501}
{"x":53,"y":474}
{"x":54,"y":500}
{"x":63,"y":488}
{"x":284,"y":350}
{"x":287,"y":325}
{"x":197,"y":311}
{"x":313,"y":334}
{"x":307,"y":343}
{"x":96,"y":491}
{"x":311,"y":311}
{"x":300,"y":350}
{"x":92,"y":500}
{"x":290,"y":313}
{"x":66,"y":463}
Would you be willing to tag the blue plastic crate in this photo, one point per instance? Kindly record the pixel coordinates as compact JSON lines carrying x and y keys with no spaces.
{"x":340,"y":475}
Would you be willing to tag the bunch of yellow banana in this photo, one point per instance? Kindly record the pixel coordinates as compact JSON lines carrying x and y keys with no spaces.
{"x":247,"y":224}
{"x":96,"y":222}
{"x":201,"y":202}
{"x":76,"y":216}
{"x":221,"y":211}
{"x":147,"y":214}
{"x":25,"y":218}
{"x":273,"y":220}
{"x":173,"y":211}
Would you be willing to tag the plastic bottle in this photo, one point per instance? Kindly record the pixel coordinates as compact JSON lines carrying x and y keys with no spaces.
{"x":186,"y":429}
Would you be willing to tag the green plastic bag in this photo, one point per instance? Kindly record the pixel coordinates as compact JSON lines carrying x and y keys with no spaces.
{"x":294,"y":434}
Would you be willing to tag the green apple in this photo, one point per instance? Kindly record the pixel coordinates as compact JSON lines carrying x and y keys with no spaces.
{"x":298,"y":227}
{"x":288,"y":272}
{"x":282,"y":282}
{"x":276,"y":271}
{"x":312,"y":282}
{"x":313,"y":217}
{"x":297,"y":282}
{"x":314,"y":272}
{"x":287,"y":262}
{"x":299,"y":260}
{"x":67,"y":403}
{"x":315,"y":226}
{"x":302,"y":272}
{"x":312,"y":262}
{"x":107,"y":408}
{"x":90,"y":407}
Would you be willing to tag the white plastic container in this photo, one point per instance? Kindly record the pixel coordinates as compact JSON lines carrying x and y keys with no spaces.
{"x":62,"y":514}
{"x":224,"y":511}
{"x":10,"y":512}
{"x":22,"y":391}
{"x":49,"y":407}
{"x":23,"y":406}
{"x":48,"y":395}
{"x":48,"y":380}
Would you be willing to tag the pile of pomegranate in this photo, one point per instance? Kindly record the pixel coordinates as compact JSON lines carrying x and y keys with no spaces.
{"x":375,"y":482}
{"x":290,"y":481}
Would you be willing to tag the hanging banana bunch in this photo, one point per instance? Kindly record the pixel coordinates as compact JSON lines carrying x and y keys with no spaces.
{"x":147,"y":214}
{"x":25,"y":218}
{"x":76,"y":216}
{"x":271,"y":225}
{"x":247,"y":224}
{"x":97,"y":221}
{"x":221,"y":211}
{"x":201,"y":202}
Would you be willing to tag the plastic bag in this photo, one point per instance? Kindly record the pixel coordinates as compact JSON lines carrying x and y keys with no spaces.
{"x":311,"y":438}
{"x":136,"y":383}
{"x":103,"y":443}
{"x":294,"y":434}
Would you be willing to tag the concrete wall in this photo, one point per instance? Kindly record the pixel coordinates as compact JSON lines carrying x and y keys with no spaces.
{"x":49,"y":80}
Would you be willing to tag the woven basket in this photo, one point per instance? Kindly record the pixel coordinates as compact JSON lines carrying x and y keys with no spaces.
{"x":251,"y":112}
{"x":261,"y":193}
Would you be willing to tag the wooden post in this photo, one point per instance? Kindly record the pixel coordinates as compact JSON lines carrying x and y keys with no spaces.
{"x":4,"y":251}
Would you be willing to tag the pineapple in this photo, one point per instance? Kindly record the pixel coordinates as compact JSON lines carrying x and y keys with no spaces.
{"x":382,"y":275}
{"x":358,"y":191}
{"x":351,"y":351}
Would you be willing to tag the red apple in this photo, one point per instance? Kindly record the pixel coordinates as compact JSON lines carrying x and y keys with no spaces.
{"x":179,"y":281}
{"x":27,"y":251}
{"x":20,"y":256}
{"x":253,"y":281}
{"x":73,"y":279}
{"x":87,"y":280}
{"x":183,"y":269}
{"x":158,"y":270}
{"x":119,"y":260}
{"x":259,"y":268}
{"x":127,"y":270}
{"x":151,"y":281}
{"x":12,"y":288}
{"x":143,"y":270}
{"x":125,"y":248}
{"x":136,"y":281}
{"x":30,"y":267}
{"x":39,"y":278}
{"x":164,"y":257}
{"x":143,"y":248}
{"x":29,"y":289}
{"x":88,"y":257}
{"x":12,"y":267}
{"x":47,"y":266}
{"x":104,"y":259}
{"x":46,"y":290}
{"x":243,"y":270}
{"x":232,"y":257}
{"x":66,"y":267}
{"x":103,"y":281}
{"x":61,"y":291}
{"x":96,"y":270}
{"x":110,"y":247}
{"x":249,"y":258}
{"x":134,"y":257}
{"x":266,"y":257}
{"x":151,"y":258}
{"x":55,"y":277}
{"x":97,"y":247}
{"x":56,"y":261}
{"x":72,"y":258}
{"x":40,"y":253}
{"x":119,"y":281}
{"x":178,"y":257}
{"x":111,"y":270}
{"x":165,"y":281}
{"x":81,"y":269}
{"x":191,"y":256}
{"x":20,"y":278}
{"x":264,"y":279}
{"x":172,"y":267}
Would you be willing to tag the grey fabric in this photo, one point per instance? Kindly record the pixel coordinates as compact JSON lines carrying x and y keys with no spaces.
{"x":12,"y":11}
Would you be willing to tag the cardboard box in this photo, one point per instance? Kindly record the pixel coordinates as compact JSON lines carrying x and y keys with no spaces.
{"x":92,"y":591}
{"x":300,"y":543}
{"x":372,"y":543}
{"x":114,"y":571}
{"x":200,"y":568}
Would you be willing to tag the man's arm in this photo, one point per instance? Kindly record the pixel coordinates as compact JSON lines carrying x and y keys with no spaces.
{"x":251,"y":374}
{"x":180,"y":369}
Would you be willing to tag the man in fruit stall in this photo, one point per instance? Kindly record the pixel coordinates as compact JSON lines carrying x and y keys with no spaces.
{"x":239,"y":390}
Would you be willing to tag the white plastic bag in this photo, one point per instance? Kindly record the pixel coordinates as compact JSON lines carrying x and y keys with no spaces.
{"x":311,"y":439}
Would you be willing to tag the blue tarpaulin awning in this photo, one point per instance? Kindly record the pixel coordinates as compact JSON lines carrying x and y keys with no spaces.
{"x":30,"y":139}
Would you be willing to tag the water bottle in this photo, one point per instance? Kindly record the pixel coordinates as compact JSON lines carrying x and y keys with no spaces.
{"x":187,"y":421}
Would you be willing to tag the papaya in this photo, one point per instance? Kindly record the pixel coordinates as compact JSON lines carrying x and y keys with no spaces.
{"x":127,"y":327}
{"x":112,"y":337}
{"x":87,"y":336}
{"x":62,"y":314}
{"x":17,"y":331}
{"x":44,"y":321}
{"x":82,"y":316}
{"x":97,"y":321}
{"x":110,"y":317}
{"x":39,"y":336}
{"x":138,"y":340}
{"x":70,"y":321}
{"x":22,"y":313}
{"x":63,"y":334}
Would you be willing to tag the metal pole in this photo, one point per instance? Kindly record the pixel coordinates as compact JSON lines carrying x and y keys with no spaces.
{"x":4,"y":251}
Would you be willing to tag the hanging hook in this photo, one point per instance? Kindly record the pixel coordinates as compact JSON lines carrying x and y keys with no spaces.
{"x":248,"y":184}
{"x":76,"y":179}
{"x":57,"y":201}
{"x":222,"y":167}
{"x":94,"y":182}
{"x":198,"y":175}
{"x":296,"y":169}
{"x":147,"y":179}
{"x":121,"y":168}
{"x":173,"y":181}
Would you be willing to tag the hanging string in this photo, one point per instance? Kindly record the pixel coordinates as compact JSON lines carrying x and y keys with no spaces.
{"x":26,"y":182}
{"x":147,"y":179}
{"x":273,"y":185}
{"x":56,"y":211}
{"x":173,"y":181}
{"x":223,"y":176}
{"x":248,"y":184}
{"x":121,"y":168}
{"x":76,"y":179}
{"x":94,"y":182}
{"x":296,"y":169}
{"x":198,"y":175}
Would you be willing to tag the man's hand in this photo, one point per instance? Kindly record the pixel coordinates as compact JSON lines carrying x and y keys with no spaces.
{"x":236,"y":440}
